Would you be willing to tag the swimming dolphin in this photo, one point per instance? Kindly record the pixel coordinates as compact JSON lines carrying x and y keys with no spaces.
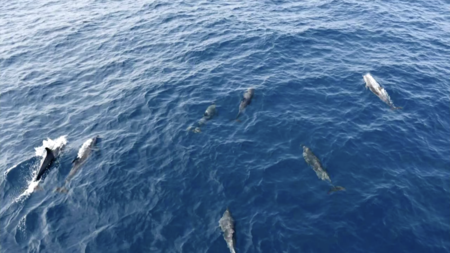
{"x":246,"y":100}
{"x":49,"y":157}
{"x":227,"y":225}
{"x":209,"y":114}
{"x":83,"y":154}
{"x":48,"y":160}
{"x":314,"y":162}
{"x":376,"y":88}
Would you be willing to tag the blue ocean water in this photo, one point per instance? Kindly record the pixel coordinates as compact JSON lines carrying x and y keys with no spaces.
{"x":140,"y":73}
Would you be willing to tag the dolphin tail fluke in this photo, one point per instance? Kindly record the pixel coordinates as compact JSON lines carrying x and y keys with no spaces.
{"x":335,"y":189}
{"x":61,"y":189}
{"x":237,"y":116}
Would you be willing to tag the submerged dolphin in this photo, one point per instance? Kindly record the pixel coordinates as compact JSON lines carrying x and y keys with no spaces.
{"x":376,"y":88}
{"x":227,"y":225}
{"x":83,"y":154}
{"x":246,"y":100}
{"x":209,"y":114}
{"x":314,"y":162}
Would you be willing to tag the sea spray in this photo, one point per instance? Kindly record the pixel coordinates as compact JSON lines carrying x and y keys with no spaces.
{"x":40,"y":152}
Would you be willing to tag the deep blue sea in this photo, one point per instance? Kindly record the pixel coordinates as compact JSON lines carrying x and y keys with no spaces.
{"x":140,"y":73}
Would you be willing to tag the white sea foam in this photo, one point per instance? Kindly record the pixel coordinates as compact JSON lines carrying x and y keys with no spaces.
{"x":32,"y":185}
{"x":40,"y":151}
{"x":84,"y":147}
{"x":51,"y":144}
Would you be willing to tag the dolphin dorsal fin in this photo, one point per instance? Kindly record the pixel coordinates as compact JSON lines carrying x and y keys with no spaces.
{"x":49,"y":152}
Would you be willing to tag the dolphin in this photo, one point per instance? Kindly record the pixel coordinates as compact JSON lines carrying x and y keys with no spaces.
{"x":314,"y":162}
{"x":227,"y":225}
{"x":83,"y":154}
{"x":49,"y":157}
{"x":376,"y":88}
{"x":246,"y":100}
{"x":209,"y":114}
{"x":48,"y":160}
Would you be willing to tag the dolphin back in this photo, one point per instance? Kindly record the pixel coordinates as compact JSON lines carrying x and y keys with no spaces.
{"x":210,"y":112}
{"x":322,"y":174}
{"x":46,"y":163}
{"x":246,"y":100}
{"x":312,"y":160}
{"x":227,"y":225}
{"x":376,"y":88}
{"x":370,"y":81}
{"x":82,"y":156}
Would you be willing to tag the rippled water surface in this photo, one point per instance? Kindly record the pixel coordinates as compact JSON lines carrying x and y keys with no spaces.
{"x":140,"y":73}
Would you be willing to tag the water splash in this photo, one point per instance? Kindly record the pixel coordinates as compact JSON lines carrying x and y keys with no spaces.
{"x":40,"y":152}
{"x":51,"y":144}
{"x":32,"y":185}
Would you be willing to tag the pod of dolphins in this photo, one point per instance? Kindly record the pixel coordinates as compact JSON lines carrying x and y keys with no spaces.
{"x":226,"y":223}
{"x":51,"y":155}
